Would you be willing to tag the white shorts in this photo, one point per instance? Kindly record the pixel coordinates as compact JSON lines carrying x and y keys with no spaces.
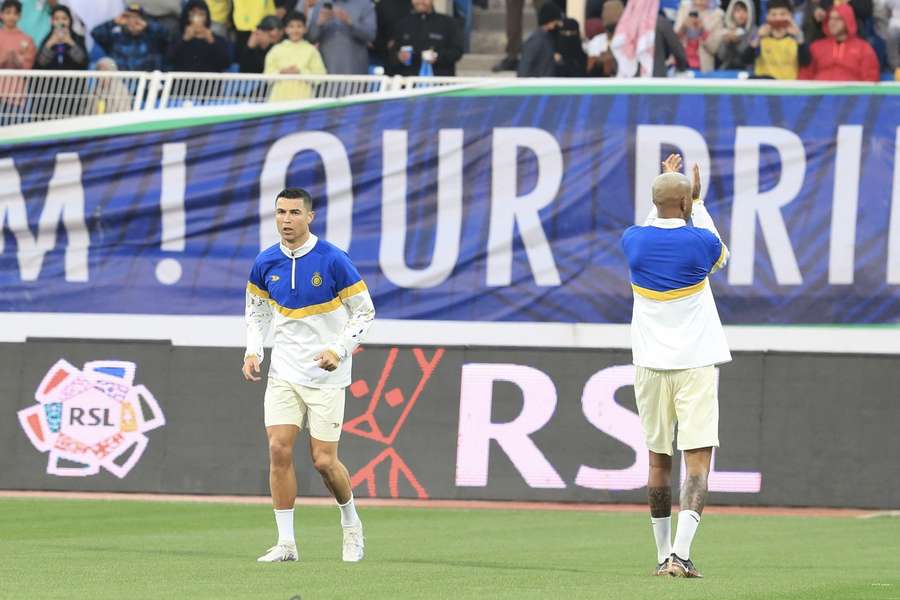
{"x":688,"y":397}
{"x":290,"y":404}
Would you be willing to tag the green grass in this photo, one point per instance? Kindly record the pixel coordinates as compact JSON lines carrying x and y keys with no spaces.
{"x":124,"y":550}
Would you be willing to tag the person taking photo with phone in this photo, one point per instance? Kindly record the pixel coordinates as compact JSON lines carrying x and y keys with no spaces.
{"x":62,"y":49}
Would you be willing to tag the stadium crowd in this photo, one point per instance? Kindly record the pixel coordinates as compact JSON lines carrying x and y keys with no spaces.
{"x":846,"y":40}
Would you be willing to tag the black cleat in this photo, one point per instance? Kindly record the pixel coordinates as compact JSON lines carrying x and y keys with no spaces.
{"x":680,"y":567}
{"x":662,"y":569}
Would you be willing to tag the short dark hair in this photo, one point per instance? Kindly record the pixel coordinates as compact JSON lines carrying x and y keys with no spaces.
{"x":294,"y":16}
{"x":296,"y":194}
{"x":786,"y":4}
{"x":12,"y":4}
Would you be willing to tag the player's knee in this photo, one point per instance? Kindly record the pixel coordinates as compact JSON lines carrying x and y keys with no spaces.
{"x":280,"y":454}
{"x":323,"y":461}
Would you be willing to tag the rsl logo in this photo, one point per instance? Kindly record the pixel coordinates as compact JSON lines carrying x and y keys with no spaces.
{"x":91,"y":418}
{"x":316,"y":279}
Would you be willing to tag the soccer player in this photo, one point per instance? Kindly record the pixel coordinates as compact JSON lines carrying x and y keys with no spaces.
{"x":677,"y":339}
{"x":313,"y":297}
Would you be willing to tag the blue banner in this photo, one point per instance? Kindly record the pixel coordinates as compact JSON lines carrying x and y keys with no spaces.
{"x":471,"y":206}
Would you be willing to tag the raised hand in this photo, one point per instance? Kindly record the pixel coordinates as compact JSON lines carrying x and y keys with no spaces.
{"x":695,"y":187}
{"x":672,"y":164}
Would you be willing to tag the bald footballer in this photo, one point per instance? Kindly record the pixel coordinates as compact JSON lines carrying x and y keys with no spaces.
{"x":677,"y":339}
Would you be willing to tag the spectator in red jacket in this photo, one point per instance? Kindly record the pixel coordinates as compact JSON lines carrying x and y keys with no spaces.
{"x":842,"y":55}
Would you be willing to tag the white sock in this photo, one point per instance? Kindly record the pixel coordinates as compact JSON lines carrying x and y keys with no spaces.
{"x":662,"y":532}
{"x":688,"y":522}
{"x":284,"y":519}
{"x":349,"y":518}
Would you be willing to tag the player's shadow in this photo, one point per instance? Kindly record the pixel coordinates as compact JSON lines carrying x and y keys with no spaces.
{"x":126,"y":550}
{"x":468,"y":564}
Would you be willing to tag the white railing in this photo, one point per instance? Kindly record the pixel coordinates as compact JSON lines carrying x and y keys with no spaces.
{"x":202,"y":89}
{"x":29,"y":96}
{"x":34,"y":96}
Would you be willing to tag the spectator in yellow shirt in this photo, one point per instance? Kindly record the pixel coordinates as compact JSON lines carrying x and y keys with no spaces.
{"x":246,"y":15}
{"x":779,"y":44}
{"x":293,"y":56}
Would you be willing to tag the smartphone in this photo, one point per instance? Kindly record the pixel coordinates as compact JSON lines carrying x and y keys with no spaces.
{"x":327,"y":5}
{"x":694,"y":14}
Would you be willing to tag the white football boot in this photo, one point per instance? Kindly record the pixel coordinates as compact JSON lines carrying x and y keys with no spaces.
{"x":354,"y":543}
{"x":280,"y":553}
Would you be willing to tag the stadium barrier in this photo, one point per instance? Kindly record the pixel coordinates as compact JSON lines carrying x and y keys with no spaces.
{"x":796,"y":429}
{"x":35,"y":96}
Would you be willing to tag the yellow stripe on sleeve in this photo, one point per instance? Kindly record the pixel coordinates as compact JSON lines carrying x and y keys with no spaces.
{"x":257,"y":292}
{"x":722,"y":256}
{"x":671,"y":294}
{"x":359,"y":286}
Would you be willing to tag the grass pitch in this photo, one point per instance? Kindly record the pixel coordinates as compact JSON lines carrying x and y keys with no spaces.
{"x":128,"y":549}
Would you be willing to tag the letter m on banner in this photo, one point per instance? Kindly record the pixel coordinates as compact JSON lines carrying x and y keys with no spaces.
{"x":64,"y":203}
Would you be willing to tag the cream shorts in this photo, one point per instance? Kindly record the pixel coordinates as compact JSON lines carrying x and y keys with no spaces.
{"x":291,"y":404}
{"x":688,"y":397}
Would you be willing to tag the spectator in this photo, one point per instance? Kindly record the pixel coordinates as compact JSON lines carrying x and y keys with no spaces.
{"x":699,"y":26}
{"x":133,"y":42}
{"x":17,"y":50}
{"x":343,"y":30}
{"x":253,"y":57}
{"x":164,"y":12}
{"x":813,"y":18}
{"x":571,"y":61}
{"x":777,"y":44}
{"x":842,"y":55}
{"x":539,"y":48}
{"x":293,"y":56}
{"x":514,"y":9}
{"x":667,"y":49}
{"x":892,"y":37}
{"x":62,"y":49}
{"x":197,"y":48}
{"x":283,"y":7}
{"x":387,"y":14}
{"x":110,"y":95}
{"x":87,"y":14}
{"x":35,"y":19}
{"x":735,"y":52}
{"x":600,"y":60}
{"x":246,"y":15}
{"x":220,"y":13}
{"x":434,"y":38}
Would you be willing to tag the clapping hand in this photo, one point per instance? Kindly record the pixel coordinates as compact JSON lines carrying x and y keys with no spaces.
{"x":672,"y":164}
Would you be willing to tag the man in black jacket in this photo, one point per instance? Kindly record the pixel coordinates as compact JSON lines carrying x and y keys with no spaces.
{"x":425,"y":35}
{"x":539,"y":48}
{"x":197,"y":48}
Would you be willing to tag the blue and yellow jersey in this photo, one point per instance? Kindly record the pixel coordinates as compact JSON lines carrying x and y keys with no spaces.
{"x":314,"y":299}
{"x":317,"y":282}
{"x":674,"y":323}
{"x":667,"y":264}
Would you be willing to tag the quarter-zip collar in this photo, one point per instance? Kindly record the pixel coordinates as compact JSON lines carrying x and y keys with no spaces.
{"x":302,"y":250}
{"x":297,"y":253}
